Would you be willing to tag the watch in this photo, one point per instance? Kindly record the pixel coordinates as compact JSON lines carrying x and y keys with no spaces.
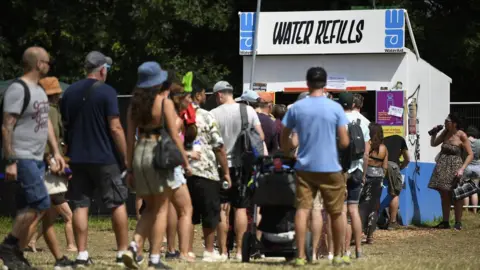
{"x":10,"y":161}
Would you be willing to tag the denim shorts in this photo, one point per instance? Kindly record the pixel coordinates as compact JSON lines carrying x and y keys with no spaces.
{"x":354,"y":187}
{"x":32,"y":192}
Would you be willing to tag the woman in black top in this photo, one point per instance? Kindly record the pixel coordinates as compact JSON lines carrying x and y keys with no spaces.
{"x":377,"y":166}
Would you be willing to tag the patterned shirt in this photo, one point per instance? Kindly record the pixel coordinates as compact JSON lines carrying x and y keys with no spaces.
{"x":208,"y":138}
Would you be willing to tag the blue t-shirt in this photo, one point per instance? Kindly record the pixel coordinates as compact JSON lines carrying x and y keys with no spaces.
{"x":316,"y":120}
{"x":88,"y":132}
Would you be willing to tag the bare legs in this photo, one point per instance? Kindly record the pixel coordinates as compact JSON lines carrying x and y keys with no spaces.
{"x":182,"y":205}
{"x":222,"y":228}
{"x":241,"y":223}
{"x":394,"y":209}
{"x":152,"y":223}
{"x":119,"y":225}
{"x":316,"y":228}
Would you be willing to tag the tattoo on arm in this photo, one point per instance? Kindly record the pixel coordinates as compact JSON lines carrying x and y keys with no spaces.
{"x":8,"y":125}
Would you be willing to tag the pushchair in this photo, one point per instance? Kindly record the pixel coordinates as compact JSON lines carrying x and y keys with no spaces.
{"x":274,"y":192}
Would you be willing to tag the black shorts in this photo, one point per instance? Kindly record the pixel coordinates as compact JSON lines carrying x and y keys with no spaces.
{"x":239,"y":195}
{"x":86,"y":178}
{"x":58,"y":199}
{"x":205,"y":196}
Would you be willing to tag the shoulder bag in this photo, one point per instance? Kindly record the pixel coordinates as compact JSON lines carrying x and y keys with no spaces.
{"x":167,"y":154}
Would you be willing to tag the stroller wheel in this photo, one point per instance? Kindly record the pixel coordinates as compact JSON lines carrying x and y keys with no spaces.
{"x":247,"y":246}
{"x":309,"y":247}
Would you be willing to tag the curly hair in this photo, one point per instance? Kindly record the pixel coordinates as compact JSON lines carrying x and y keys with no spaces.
{"x":142,"y":102}
{"x":376,"y":136}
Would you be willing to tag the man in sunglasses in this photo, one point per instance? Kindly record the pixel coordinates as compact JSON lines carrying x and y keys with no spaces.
{"x":96,"y":146}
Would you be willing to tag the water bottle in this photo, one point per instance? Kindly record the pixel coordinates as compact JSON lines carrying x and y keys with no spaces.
{"x":225,"y":185}
{"x":197,"y":146}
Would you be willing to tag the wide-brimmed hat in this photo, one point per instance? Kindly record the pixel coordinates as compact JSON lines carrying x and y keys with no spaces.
{"x":150,"y":74}
{"x":51,"y":85}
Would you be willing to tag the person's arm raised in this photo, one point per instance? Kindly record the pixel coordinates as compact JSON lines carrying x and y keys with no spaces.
{"x":436,"y":141}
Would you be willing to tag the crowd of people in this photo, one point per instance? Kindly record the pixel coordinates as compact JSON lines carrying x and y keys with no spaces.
{"x":64,"y":149}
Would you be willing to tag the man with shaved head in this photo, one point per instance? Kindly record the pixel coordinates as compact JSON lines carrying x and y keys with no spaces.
{"x":25,"y":132}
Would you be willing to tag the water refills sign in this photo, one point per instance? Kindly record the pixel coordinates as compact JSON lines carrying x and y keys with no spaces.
{"x":324,"y":32}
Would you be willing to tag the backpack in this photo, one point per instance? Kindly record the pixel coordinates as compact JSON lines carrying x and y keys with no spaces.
{"x":356,"y":148}
{"x":249,"y":141}
{"x":26,"y":101}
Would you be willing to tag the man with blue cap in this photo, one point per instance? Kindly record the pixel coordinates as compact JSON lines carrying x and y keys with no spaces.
{"x":96,"y":147}
{"x":230,"y":124}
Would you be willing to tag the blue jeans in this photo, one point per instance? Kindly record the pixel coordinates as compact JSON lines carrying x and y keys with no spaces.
{"x":32,"y":192}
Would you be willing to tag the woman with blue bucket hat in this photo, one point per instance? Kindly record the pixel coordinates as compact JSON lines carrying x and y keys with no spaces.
{"x":150,"y":111}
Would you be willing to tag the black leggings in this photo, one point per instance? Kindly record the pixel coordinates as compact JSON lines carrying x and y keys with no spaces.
{"x":369,"y":201}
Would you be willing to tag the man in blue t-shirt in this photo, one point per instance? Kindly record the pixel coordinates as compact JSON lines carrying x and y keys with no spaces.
{"x":96,"y":147}
{"x":318,"y":121}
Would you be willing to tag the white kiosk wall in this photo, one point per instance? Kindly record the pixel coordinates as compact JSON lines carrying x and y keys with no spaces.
{"x":367,"y":49}
{"x":370,"y":70}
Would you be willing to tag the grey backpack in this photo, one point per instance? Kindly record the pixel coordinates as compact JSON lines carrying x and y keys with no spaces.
{"x":249,"y":141}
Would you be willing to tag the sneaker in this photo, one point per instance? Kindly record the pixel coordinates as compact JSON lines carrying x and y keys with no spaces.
{"x":224,"y":257}
{"x":131,"y":260}
{"x":211,"y":256}
{"x":13,"y":258}
{"x":238,"y":257}
{"x":158,"y":265}
{"x":443,"y":225}
{"x":64,"y":263}
{"x":330,"y":257}
{"x":119,"y":262}
{"x":172,"y":255}
{"x":83,"y":263}
{"x":394,"y":226}
{"x":299,"y":262}
{"x":359,"y":255}
{"x":191,"y":254}
{"x":347,"y":260}
{"x":458,"y":226}
{"x":337,"y":261}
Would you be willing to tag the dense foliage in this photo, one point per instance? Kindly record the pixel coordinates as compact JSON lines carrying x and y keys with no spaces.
{"x":202,"y":35}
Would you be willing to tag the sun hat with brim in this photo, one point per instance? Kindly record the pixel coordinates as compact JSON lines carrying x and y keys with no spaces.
{"x":248,"y":96}
{"x":150,"y":74}
{"x":51,"y":85}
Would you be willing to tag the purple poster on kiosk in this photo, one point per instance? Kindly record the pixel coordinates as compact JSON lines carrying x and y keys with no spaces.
{"x":386,"y":99}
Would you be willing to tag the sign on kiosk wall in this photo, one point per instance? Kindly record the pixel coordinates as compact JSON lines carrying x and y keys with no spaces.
{"x":390,"y":106}
{"x":324,"y":32}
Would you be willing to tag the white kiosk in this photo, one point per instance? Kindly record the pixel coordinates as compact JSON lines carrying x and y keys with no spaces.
{"x":362,"y":50}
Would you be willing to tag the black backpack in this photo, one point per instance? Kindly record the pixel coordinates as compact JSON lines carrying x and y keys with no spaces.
{"x":26,"y":101}
{"x":356,"y":148}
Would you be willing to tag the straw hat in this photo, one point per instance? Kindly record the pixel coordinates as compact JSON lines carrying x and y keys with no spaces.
{"x":51,"y":85}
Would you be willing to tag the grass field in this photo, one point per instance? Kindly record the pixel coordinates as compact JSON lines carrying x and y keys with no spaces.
{"x":409,"y":248}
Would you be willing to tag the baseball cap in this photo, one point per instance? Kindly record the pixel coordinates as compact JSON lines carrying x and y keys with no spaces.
{"x":303,"y":95}
{"x":346,"y":100}
{"x":265,"y":97}
{"x":248,"y":96}
{"x":222,"y":85}
{"x":96,"y":59}
{"x":150,"y":74}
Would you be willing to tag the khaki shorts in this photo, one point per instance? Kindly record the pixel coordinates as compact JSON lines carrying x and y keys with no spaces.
{"x":330,"y":187}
